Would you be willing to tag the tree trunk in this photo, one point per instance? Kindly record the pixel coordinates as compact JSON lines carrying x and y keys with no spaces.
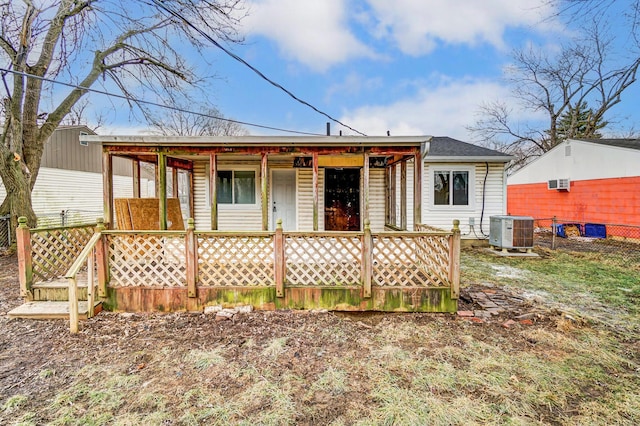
{"x":17,"y":203}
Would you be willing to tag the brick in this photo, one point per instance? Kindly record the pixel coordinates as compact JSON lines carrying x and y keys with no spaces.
{"x":526,"y":322}
{"x":465,"y":314}
{"x":476,"y":319}
{"x":508,"y":323}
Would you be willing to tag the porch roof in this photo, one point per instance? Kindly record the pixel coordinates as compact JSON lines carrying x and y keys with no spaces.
{"x":258,"y":141}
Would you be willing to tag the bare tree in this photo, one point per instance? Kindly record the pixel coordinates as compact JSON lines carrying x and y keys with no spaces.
{"x":209,"y":122}
{"x":127,"y":46}
{"x":580,"y":76}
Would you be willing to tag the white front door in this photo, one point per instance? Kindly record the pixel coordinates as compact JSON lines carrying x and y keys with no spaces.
{"x":283,"y":199}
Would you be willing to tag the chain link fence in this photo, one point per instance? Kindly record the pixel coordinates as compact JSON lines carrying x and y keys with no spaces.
{"x":622,"y":240}
{"x":68,"y":218}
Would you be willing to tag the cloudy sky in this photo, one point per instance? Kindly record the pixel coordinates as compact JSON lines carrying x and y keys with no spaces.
{"x":406,"y":66}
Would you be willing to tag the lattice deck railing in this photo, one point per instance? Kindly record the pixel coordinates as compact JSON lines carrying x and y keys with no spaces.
{"x":249,"y":259}
{"x":323,"y":259}
{"x":235,"y":260}
{"x":53,"y":250}
{"x":400,"y":259}
{"x":147,"y":259}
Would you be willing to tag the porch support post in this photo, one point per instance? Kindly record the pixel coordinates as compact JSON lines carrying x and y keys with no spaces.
{"x":367,"y":260}
{"x":315,"y":191}
{"x":192,"y":212}
{"x":213,"y":190}
{"x":403,"y":195}
{"x":25,"y":265}
{"x":393,"y":195}
{"x":387,"y":195}
{"x":454,"y":259}
{"x":417,"y":189}
{"x":264,"y":198}
{"x":136,"y":178}
{"x":191,"y":258}
{"x":107,"y":189}
{"x":161,"y":178}
{"x":365,"y":178}
{"x":279,"y":261}
{"x":102,"y":260}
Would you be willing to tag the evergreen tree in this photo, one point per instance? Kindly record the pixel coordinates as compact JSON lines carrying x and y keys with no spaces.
{"x":580,"y":121}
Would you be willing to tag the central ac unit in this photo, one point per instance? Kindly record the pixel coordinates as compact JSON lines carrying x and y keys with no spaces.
{"x":511,"y":232}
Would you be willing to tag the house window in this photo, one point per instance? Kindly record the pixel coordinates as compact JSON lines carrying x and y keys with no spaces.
{"x":84,"y":143}
{"x":236,"y":186}
{"x":451,"y":187}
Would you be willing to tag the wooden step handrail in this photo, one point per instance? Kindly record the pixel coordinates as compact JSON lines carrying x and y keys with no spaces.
{"x":86,"y":255}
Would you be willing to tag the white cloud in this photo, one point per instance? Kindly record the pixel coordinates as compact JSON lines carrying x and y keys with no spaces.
{"x":445,"y":108}
{"x":315,"y":33}
{"x":418,"y":26}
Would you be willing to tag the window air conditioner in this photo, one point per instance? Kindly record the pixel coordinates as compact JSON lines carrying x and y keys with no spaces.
{"x":511,"y":232}
{"x":563,"y":184}
{"x":559,"y":184}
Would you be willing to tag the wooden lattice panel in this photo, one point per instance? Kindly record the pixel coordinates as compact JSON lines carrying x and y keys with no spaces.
{"x":147,"y":260}
{"x":225,"y":260}
{"x":407,"y":261}
{"x":53,"y":251}
{"x":329,"y":260}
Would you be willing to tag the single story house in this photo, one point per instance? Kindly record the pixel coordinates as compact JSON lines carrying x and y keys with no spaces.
{"x":326,"y":183}
{"x":596,"y":181}
{"x":333,"y":222}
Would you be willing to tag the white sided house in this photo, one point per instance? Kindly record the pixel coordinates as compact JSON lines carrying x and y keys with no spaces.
{"x":70,"y":178}
{"x":332,"y":183}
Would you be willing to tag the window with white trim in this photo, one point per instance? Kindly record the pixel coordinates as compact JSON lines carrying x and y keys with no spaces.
{"x":236,"y":186}
{"x":451,"y":187}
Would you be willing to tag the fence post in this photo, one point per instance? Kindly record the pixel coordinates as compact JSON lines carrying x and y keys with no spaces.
{"x":553,"y":233}
{"x":25,"y":266}
{"x":279,"y":261}
{"x":367,"y":259}
{"x":454,"y":259}
{"x":102,"y":260}
{"x":191,"y":258}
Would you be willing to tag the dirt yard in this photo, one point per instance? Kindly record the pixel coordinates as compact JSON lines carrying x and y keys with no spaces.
{"x":507,"y":358}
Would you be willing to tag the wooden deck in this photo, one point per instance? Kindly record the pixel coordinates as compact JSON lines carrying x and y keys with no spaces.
{"x":50,"y":310}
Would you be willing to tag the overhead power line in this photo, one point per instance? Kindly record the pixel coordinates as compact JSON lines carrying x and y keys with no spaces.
{"x":177,"y":15}
{"x":129,"y":98}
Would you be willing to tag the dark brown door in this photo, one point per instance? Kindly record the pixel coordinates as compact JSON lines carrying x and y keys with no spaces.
{"x":342,"y":199}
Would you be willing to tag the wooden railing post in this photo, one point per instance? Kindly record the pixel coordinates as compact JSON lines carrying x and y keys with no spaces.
{"x":25,"y":266}
{"x":191,"y":245}
{"x":73,"y":306}
{"x":102,"y":260}
{"x":279,"y":260}
{"x":91,"y":262}
{"x":367,"y":259}
{"x":454,"y":259}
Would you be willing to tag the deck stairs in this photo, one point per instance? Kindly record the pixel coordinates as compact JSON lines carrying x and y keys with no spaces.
{"x":51,"y":301}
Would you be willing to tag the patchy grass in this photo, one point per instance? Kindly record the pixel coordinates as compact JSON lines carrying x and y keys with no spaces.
{"x":301,"y":368}
{"x":597,"y":286}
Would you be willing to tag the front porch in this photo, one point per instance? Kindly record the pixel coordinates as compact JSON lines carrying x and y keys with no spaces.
{"x":136,"y":271}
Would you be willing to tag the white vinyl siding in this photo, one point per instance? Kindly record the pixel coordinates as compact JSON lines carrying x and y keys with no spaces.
{"x":230,"y":217}
{"x":305,"y":199}
{"x":376,"y":199}
{"x":493,"y":199}
{"x":57,"y":189}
